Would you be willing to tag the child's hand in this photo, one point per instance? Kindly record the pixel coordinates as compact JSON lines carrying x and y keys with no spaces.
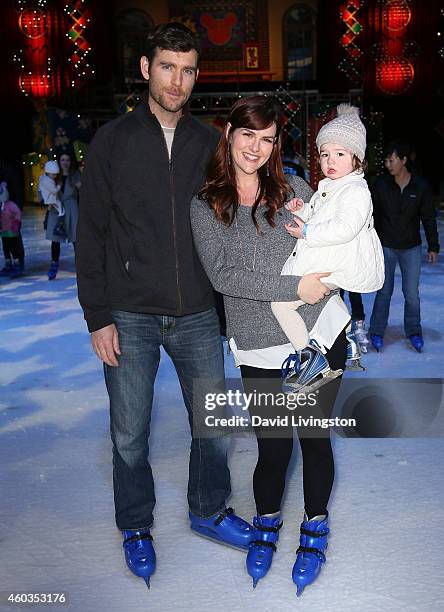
{"x":294,"y":205}
{"x":296,"y":228}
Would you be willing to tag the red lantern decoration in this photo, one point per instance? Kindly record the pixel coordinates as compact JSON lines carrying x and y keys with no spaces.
{"x":32,"y":23}
{"x":36,"y":85}
{"x":395,"y":75}
{"x":397,"y":15}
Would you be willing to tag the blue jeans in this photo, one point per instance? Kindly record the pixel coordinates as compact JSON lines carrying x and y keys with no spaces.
{"x":410,"y":265}
{"x":194,"y":345}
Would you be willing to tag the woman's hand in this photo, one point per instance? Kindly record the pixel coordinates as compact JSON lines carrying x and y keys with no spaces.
{"x":310,"y":289}
{"x":294,"y":205}
{"x":296,"y":228}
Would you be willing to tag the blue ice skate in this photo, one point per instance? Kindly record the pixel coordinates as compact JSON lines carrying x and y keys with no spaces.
{"x":377,"y":342}
{"x":310,"y":555}
{"x":224,"y":527}
{"x":260,"y":553}
{"x":139,"y":553}
{"x":417,"y":342}
{"x":353,"y":353}
{"x":291,"y":366}
{"x":314,"y":371}
{"x":53,"y":269}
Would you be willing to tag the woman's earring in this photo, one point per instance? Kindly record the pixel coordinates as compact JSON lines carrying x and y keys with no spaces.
{"x":229,"y":156}
{"x":268,"y":168}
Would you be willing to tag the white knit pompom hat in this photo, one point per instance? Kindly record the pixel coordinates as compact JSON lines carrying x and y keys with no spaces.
{"x":346,"y":129}
{"x":52,"y":167}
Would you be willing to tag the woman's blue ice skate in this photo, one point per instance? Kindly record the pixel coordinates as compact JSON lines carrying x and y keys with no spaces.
{"x":313,"y":371}
{"x":260,"y":553}
{"x":139,"y":553}
{"x":310,"y":555}
{"x":224,"y":527}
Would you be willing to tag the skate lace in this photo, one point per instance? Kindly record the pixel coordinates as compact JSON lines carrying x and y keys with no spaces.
{"x":314,"y":551}
{"x":223,"y":514}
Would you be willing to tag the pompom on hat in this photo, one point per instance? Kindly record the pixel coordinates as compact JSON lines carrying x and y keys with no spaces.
{"x":346,"y":129}
{"x":52,"y":167}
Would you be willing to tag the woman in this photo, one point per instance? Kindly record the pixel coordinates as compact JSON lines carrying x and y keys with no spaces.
{"x":58,"y":231}
{"x":238,"y":224}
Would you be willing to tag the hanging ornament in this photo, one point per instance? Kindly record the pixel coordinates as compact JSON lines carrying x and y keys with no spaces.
{"x":350,"y":64}
{"x":78,"y":14}
{"x":32,"y":23}
{"x":396,"y":15}
{"x":394,"y":75}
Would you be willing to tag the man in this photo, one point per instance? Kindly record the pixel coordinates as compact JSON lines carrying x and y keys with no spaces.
{"x":401,"y":200}
{"x":141,"y":286}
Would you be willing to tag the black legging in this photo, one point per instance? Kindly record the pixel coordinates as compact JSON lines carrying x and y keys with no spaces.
{"x":55,"y":250}
{"x":13,"y":248}
{"x":274,"y":453}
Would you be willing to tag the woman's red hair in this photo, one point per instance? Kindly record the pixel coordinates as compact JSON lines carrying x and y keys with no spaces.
{"x":220,"y":189}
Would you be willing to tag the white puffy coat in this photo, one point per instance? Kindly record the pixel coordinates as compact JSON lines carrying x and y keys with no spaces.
{"x":340,"y":236}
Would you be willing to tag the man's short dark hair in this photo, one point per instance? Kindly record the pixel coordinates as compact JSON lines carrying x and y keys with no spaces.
{"x":399,"y":147}
{"x":172,"y":37}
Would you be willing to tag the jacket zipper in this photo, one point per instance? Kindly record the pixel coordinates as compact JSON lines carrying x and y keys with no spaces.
{"x":173,"y":202}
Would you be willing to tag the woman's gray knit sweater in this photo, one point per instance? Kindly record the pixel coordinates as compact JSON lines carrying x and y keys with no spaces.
{"x":228,"y":255}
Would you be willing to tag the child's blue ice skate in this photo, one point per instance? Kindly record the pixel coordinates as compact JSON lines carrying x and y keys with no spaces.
{"x":260,"y":553}
{"x":314,"y":371}
{"x":224,"y":527}
{"x":353,"y":352}
{"x":311,"y":553}
{"x":291,"y":366}
{"x":139,"y":553}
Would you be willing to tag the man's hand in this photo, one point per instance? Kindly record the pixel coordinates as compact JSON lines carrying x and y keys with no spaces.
{"x":296,"y":228}
{"x":294,"y":205}
{"x":105,"y":343}
{"x":310,"y":289}
{"x":432,"y":257}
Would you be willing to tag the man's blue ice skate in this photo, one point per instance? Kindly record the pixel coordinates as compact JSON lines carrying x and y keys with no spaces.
{"x":417,"y":342}
{"x":139,"y":553}
{"x":353,"y":353}
{"x":224,"y":527}
{"x":377,"y":342}
{"x":310,"y":555}
{"x":260,"y":553}
{"x":314,"y":371}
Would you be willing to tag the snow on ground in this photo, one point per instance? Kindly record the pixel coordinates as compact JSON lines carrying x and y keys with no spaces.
{"x":57,"y":528}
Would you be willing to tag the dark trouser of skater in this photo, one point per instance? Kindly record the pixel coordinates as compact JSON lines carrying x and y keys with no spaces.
{"x":194,"y":345}
{"x":410,"y":264}
{"x":275,"y":446}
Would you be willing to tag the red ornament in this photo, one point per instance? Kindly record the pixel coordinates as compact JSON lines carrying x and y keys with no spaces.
{"x":394,"y":76}
{"x":397,"y":15}
{"x":32,"y":23}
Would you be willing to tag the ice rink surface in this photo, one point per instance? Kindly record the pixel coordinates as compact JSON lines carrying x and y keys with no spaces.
{"x":57,"y":530}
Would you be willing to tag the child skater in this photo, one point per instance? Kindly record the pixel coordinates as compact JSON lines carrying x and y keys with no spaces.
{"x":335,"y":233}
{"x":10,"y":222}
